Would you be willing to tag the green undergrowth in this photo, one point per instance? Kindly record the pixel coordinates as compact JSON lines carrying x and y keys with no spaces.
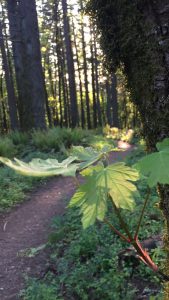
{"x":87,"y":264}
{"x":53,"y":140}
{"x":13,"y":188}
{"x":52,"y":143}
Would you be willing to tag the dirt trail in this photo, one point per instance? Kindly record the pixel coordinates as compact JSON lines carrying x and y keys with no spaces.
{"x":28,"y":226}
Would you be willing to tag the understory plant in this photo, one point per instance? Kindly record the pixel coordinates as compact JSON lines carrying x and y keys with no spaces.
{"x":106,"y":184}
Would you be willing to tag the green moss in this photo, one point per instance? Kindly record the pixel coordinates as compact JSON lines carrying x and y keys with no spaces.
{"x":129,"y":41}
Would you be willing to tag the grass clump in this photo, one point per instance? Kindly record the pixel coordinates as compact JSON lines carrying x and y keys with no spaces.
{"x":7,"y":147}
{"x":55,"y":138}
{"x":45,"y":140}
{"x":19,"y":138}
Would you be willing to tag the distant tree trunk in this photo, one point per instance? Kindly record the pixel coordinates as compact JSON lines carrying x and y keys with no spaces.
{"x":70,"y":66}
{"x":109,"y":112}
{"x":114,"y":101}
{"x":61,"y":68}
{"x":93,"y":80}
{"x":125,"y":112}
{"x":103,"y":110}
{"x":62,"y":81}
{"x":4,"y":124}
{"x":48,"y":69}
{"x":9,"y":85}
{"x":60,"y":95}
{"x":48,"y":110}
{"x":80,"y":80}
{"x":85,"y":68}
{"x":27,"y":59}
{"x":97,"y":82}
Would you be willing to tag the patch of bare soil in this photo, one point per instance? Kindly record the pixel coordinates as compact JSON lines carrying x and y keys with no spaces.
{"x":27,"y":226}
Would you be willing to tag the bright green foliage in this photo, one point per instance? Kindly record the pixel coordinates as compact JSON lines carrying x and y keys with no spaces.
{"x":113,"y":181}
{"x":121,"y":190}
{"x":92,"y":199}
{"x":156,"y":165}
{"x":43,"y":168}
{"x":86,"y":156}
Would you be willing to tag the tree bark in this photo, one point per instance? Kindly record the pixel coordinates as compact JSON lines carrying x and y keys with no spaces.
{"x":137,"y":35}
{"x":24,"y":33}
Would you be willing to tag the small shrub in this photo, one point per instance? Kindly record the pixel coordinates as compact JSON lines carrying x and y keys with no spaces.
{"x":19,"y":138}
{"x":47,"y":140}
{"x":99,"y":142}
{"x":76,"y":136}
{"x":40,"y":291}
{"x":127,"y":136}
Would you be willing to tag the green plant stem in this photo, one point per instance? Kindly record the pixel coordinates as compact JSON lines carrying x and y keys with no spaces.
{"x":77,"y":182}
{"x":142,"y":212}
{"x":122,"y":223}
{"x":144,"y":256}
{"x":123,"y":237}
{"x":137,"y":246}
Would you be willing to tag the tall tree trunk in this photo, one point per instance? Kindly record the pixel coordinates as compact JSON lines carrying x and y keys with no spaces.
{"x":61,"y":69}
{"x":80,"y":80}
{"x":93,"y":80}
{"x":24,"y":33}
{"x":85,"y":67}
{"x":97,"y":82}
{"x":4,"y":125}
{"x":9,"y":85}
{"x":60,"y":95}
{"x":70,"y":66}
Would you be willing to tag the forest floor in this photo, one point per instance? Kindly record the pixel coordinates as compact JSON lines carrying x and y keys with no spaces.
{"x":28,"y":226}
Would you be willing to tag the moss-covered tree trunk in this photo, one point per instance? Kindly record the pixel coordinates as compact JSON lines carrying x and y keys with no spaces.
{"x":135,"y":34}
